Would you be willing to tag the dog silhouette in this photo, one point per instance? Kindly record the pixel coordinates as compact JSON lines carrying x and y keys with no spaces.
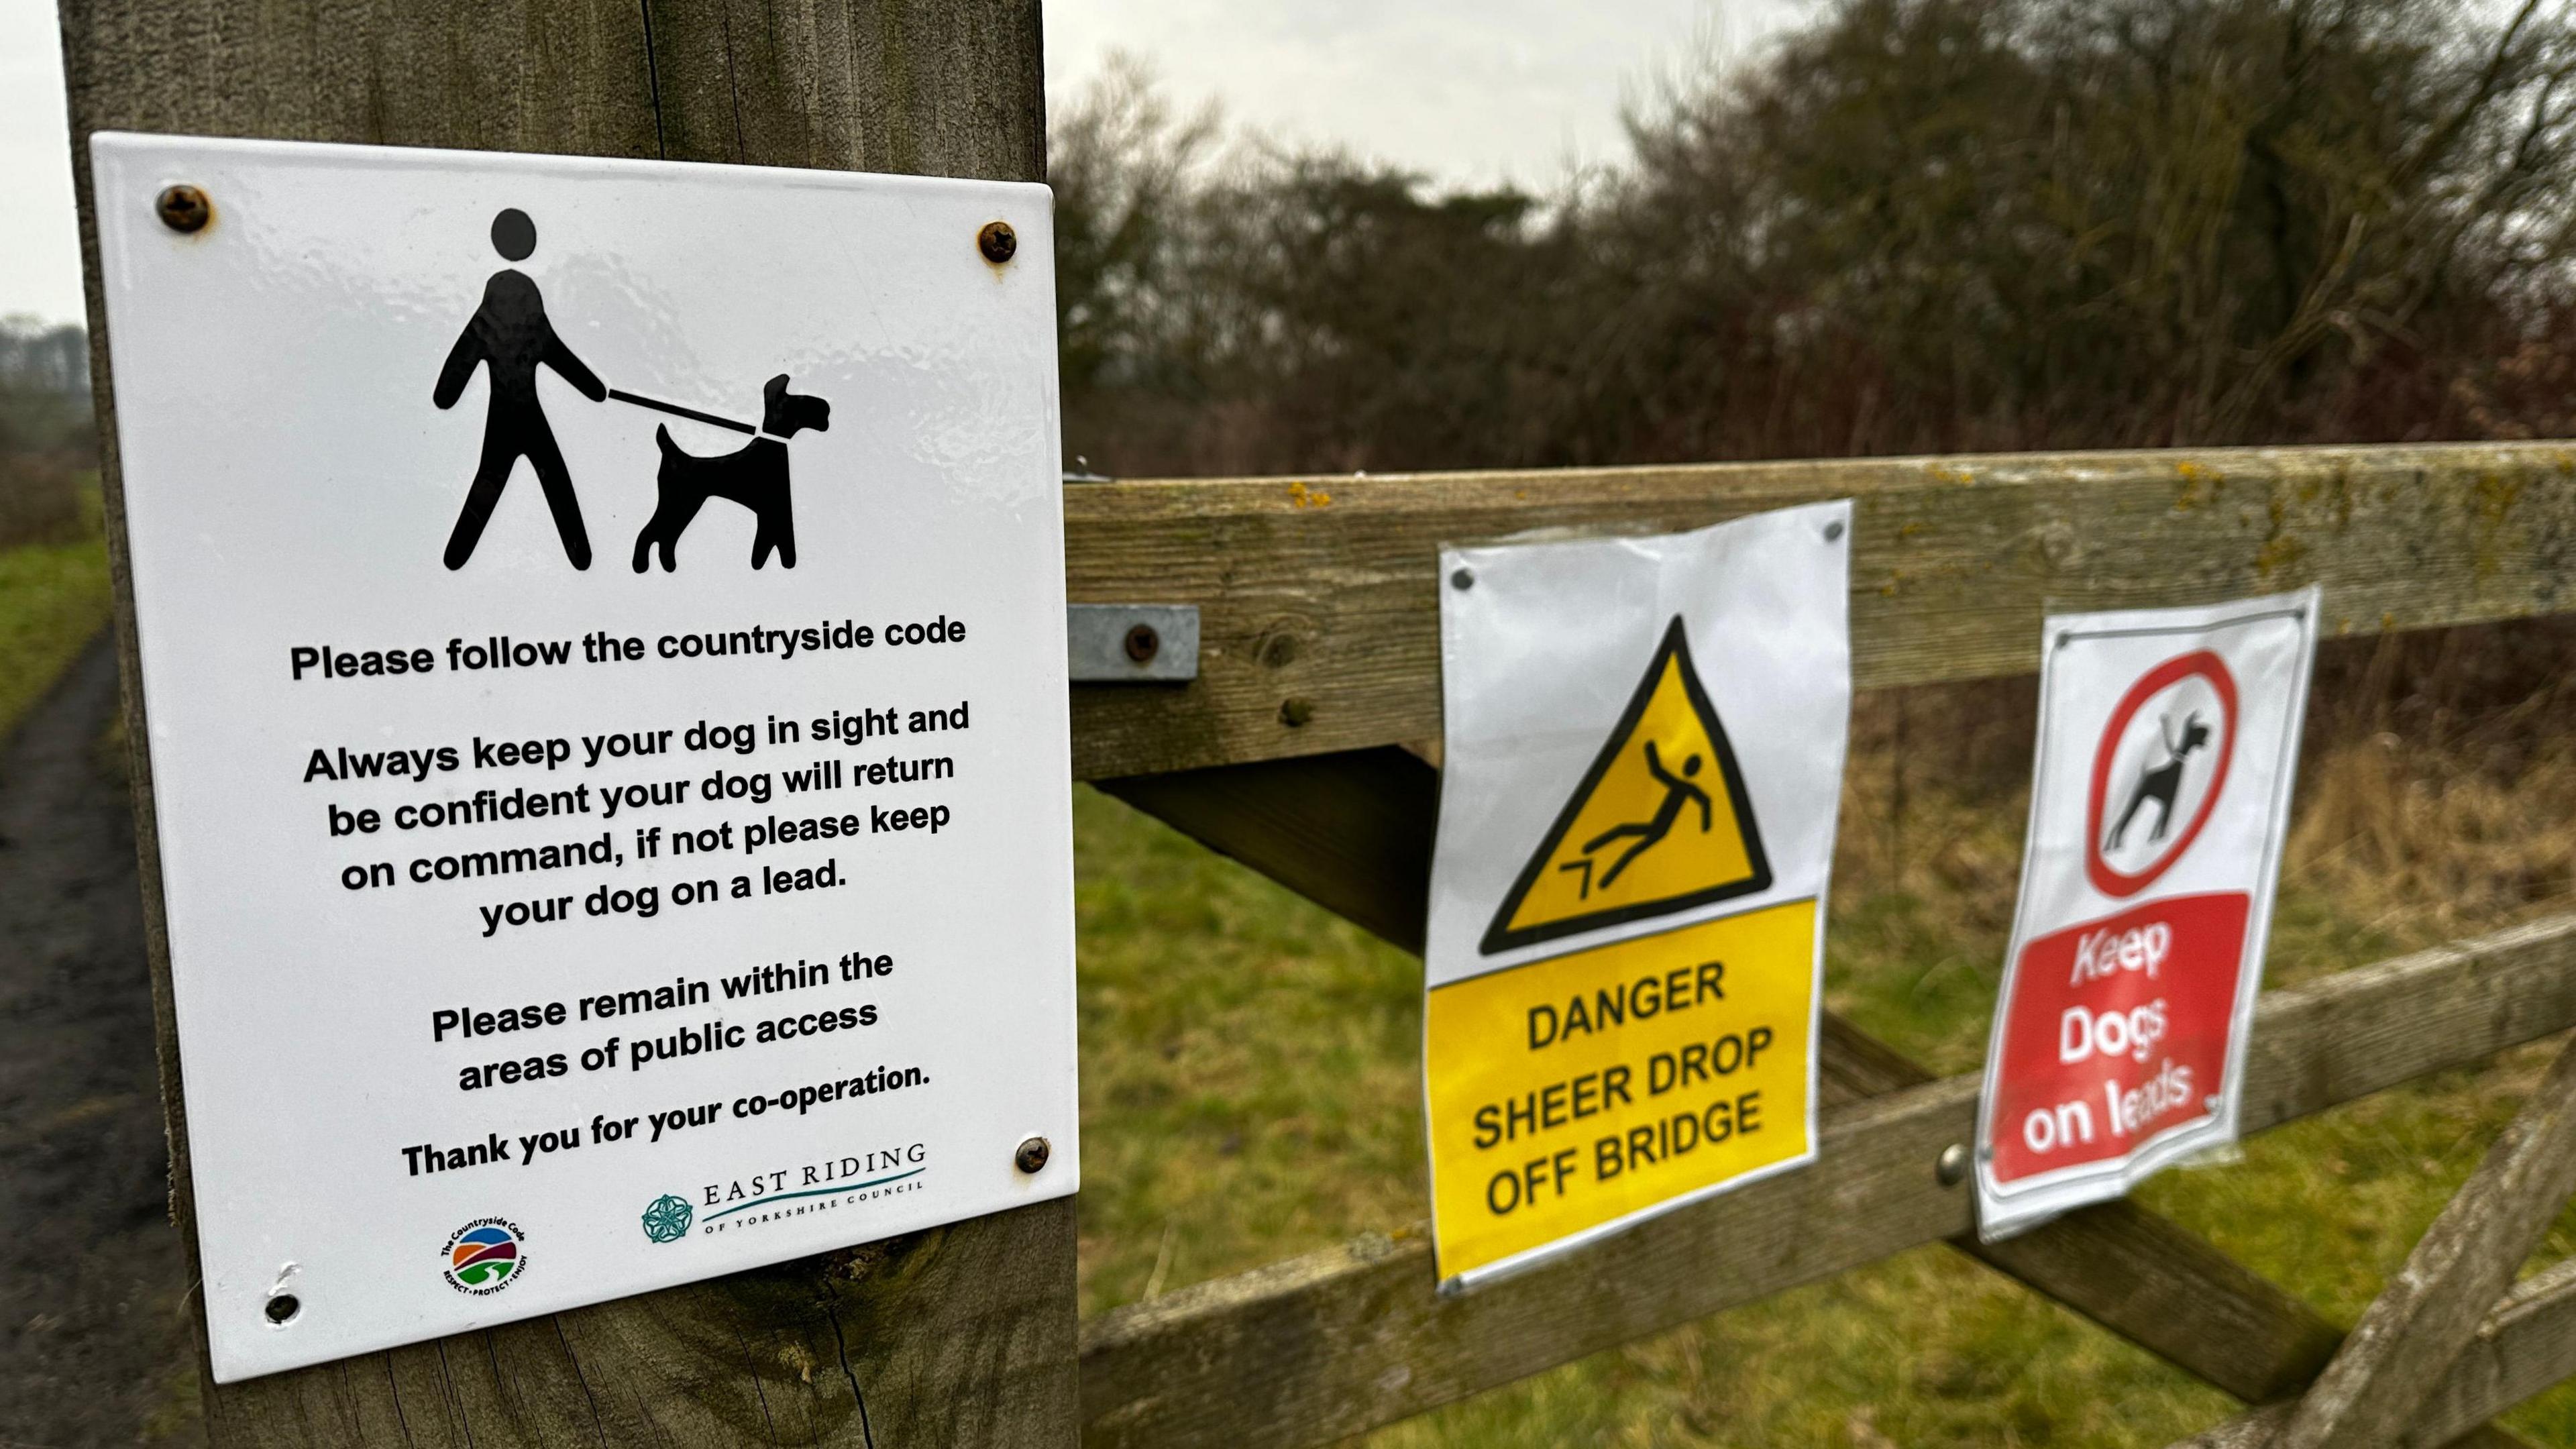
{"x":755,"y":477}
{"x":2161,"y":783}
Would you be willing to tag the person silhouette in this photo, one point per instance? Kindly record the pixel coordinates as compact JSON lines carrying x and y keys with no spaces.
{"x":1678,"y":791}
{"x":510,"y":332}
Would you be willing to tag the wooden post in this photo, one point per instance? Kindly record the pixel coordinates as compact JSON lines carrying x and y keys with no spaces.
{"x":958,"y":1336}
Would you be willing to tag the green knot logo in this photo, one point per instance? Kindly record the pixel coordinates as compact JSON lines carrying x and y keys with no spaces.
{"x":667,"y":1220}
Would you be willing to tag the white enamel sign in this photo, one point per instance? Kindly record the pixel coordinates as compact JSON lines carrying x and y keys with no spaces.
{"x":603,"y":637}
{"x":2168,"y":740}
{"x":1643,"y":761}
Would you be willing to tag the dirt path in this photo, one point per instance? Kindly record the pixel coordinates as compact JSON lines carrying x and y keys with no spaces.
{"x":94,"y":1334}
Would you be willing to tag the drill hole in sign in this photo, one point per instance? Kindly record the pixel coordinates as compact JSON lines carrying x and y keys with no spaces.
{"x":282,"y":1309}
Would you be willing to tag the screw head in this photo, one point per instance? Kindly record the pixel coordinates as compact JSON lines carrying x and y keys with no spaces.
{"x":184,"y":208}
{"x":1463,"y":580}
{"x":1143,"y":643}
{"x":282,"y":1309}
{"x":997,"y":242}
{"x":1952,"y":1165}
{"x":1032,"y":1155}
{"x":1833,"y":530}
{"x":1295,"y":712}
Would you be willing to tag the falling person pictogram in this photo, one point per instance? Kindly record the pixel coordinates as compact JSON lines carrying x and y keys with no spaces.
{"x":1648,"y":833}
{"x":511,"y":335}
{"x":1618,"y":850}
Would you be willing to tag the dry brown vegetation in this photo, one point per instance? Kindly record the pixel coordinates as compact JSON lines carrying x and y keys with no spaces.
{"x":1913,"y":226}
{"x":48,"y":442}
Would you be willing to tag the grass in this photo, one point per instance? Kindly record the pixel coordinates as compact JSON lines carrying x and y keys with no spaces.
{"x":1248,"y":1078}
{"x":53,"y":600}
{"x":1251,"y":1091}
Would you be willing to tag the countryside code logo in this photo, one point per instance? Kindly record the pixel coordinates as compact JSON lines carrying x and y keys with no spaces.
{"x":485,"y":1256}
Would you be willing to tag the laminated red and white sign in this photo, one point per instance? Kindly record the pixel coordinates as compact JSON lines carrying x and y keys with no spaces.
{"x":2168,"y":743}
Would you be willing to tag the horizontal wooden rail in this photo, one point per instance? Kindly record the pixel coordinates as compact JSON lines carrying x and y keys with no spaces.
{"x":1339,"y":1341}
{"x":2524,"y":1348}
{"x":1319,"y":602}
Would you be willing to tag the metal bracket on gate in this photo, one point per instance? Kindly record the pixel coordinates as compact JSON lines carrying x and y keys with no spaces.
{"x":1132,"y":643}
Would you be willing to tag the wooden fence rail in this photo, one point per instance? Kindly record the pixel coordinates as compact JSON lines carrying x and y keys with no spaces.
{"x":1320,"y":610}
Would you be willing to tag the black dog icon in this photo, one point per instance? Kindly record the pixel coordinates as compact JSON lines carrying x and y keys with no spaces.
{"x":755,"y":477}
{"x":2162,"y":783}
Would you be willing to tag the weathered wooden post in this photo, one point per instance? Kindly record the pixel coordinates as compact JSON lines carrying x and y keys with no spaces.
{"x":958,"y":1336}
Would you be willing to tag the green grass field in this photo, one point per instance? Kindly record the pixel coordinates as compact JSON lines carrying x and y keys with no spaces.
{"x":1250,"y":1091}
{"x":53,"y":600}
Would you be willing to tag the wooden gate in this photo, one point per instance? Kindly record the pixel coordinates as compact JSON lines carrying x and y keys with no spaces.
{"x":1318,"y":667}
{"x":1319,"y":635}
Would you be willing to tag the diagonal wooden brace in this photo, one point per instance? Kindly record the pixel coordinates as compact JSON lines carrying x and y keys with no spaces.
{"x":2411,"y":1334}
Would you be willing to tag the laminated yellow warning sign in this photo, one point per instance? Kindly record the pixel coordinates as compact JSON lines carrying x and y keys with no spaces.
{"x":1576,"y":1091}
{"x":1641,"y":774}
{"x":1659,"y":824}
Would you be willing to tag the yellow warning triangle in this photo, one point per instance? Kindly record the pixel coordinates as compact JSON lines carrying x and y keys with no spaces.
{"x":1660,"y":823}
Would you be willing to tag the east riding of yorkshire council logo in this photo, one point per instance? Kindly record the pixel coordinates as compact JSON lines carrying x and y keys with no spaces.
{"x":484,"y":1256}
{"x":667,"y":1220}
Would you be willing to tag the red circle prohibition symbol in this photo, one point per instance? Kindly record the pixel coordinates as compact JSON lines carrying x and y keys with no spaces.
{"x":2106,"y":878}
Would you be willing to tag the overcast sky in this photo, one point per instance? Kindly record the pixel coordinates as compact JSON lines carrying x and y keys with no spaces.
{"x":1467,"y":91}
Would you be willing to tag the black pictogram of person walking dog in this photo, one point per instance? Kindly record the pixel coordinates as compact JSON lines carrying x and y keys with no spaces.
{"x":511,"y":337}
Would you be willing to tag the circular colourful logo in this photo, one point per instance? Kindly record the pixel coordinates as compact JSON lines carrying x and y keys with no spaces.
{"x":485,"y":1256}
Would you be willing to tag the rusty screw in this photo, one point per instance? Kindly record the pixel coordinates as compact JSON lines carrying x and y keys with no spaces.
{"x":1295,"y":712}
{"x":184,"y":208}
{"x":1143,"y":643}
{"x":997,"y":242}
{"x":1032,"y":1155}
